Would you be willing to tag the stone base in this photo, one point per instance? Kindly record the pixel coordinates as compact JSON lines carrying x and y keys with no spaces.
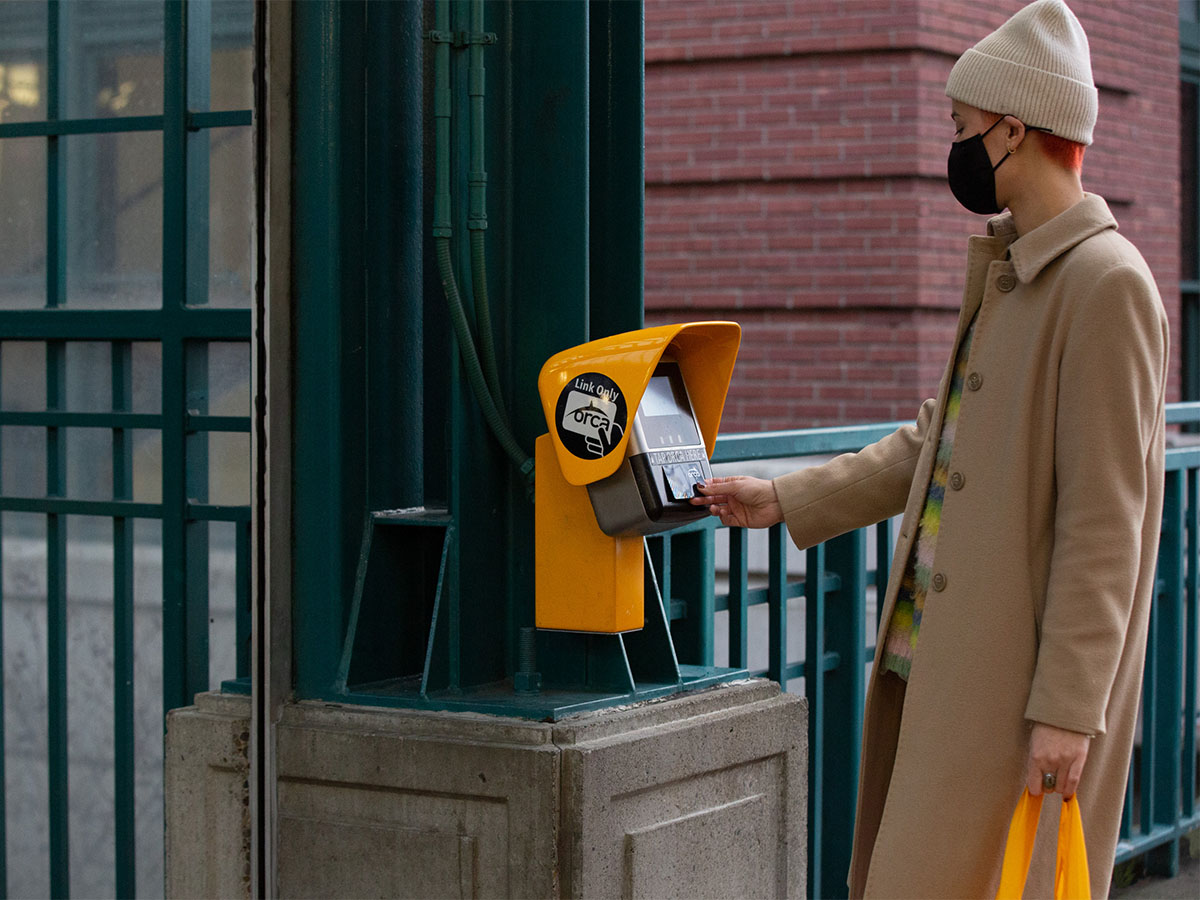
{"x":696,"y":795}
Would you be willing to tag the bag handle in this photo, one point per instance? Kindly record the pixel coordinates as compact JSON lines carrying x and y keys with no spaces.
{"x":1071,"y":879}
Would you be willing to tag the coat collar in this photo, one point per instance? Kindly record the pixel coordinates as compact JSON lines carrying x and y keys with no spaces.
{"x":1032,"y":252}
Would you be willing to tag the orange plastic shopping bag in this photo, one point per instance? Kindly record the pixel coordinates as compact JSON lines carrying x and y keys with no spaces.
{"x":1071,"y":880}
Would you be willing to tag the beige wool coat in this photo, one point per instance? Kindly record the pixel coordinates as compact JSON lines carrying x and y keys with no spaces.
{"x":1046,"y":557}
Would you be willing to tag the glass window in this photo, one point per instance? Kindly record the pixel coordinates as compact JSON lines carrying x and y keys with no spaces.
{"x":114,"y":220}
{"x":113,"y":58}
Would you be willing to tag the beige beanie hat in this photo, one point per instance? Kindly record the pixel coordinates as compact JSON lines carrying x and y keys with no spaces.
{"x":1035,"y":66}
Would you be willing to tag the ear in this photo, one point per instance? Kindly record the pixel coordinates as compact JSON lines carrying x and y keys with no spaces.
{"x":1014,"y":133}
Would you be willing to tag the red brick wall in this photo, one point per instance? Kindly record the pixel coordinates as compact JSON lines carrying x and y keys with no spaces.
{"x":795,"y":182}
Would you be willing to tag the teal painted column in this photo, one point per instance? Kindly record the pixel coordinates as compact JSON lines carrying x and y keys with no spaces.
{"x":617,"y":166}
{"x":383,"y":417}
{"x":328,"y":486}
{"x":545,"y":161}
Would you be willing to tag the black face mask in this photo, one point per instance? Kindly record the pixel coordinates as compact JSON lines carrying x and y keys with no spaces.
{"x":971,"y":174}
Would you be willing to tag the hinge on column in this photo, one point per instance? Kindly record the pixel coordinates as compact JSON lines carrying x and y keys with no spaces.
{"x":460,"y":39}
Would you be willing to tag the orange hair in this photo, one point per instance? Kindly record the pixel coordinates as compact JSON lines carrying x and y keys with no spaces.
{"x":1068,"y":154}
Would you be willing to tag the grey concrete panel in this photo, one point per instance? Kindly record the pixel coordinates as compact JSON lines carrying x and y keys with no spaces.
{"x":207,"y":798}
{"x":697,"y":795}
{"x":654,"y":867}
{"x":693,"y":775}
{"x":425,"y":789}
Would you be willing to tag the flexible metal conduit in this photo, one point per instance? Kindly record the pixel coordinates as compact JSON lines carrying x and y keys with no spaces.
{"x":486,"y":395}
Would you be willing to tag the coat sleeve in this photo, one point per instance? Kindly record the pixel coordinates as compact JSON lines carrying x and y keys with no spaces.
{"x":1109,"y":423}
{"x":855,"y":489}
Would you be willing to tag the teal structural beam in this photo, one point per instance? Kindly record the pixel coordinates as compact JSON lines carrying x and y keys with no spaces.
{"x":328,"y":494}
{"x":393,"y":246}
{"x":616,"y":165}
{"x":545,"y":53}
{"x":845,"y":687}
{"x":56,"y":466}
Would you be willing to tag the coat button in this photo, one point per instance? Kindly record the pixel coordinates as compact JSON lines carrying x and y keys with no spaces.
{"x":957,"y":480}
{"x":939,"y":582}
{"x":974,"y":381}
{"x":1006,"y":282}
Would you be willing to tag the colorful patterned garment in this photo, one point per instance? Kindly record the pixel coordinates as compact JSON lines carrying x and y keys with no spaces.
{"x":910,"y":600}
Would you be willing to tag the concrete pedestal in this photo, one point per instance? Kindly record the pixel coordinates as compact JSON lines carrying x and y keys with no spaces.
{"x":697,"y":795}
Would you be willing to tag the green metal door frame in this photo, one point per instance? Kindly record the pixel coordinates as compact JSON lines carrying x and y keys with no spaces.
{"x":183,"y":326}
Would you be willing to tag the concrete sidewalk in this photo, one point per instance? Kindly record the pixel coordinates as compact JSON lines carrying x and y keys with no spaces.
{"x":1184,"y":886}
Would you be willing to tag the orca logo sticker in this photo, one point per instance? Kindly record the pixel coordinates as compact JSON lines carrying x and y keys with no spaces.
{"x":591,"y":415}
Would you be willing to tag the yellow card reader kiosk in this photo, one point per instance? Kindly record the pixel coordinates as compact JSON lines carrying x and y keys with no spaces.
{"x":632,"y":420}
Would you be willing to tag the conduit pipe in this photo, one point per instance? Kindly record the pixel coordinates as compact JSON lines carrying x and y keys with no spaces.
{"x":486,"y":395}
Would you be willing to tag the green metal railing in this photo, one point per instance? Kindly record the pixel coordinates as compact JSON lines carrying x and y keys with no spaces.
{"x":183,"y":328}
{"x":835,"y":590}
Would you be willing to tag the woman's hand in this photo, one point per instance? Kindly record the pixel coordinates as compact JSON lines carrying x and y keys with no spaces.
{"x":1059,"y":751}
{"x":741,"y":501}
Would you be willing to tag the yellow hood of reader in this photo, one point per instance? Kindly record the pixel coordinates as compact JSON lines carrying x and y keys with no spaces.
{"x":704,"y":351}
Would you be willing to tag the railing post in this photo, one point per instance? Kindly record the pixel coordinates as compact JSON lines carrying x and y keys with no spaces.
{"x":739,"y":619}
{"x":693,"y":559}
{"x":814,"y":692}
{"x":846,"y":660}
{"x":1167,"y":638}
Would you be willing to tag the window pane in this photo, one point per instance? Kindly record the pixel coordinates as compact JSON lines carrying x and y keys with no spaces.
{"x":22,"y":62}
{"x":228,"y":379}
{"x":1189,"y":201}
{"x":22,"y":376}
{"x":231,"y":217}
{"x":1189,"y":10}
{"x":26,"y":775}
{"x":232,"y":81}
{"x":22,"y":222}
{"x":114,"y":221}
{"x":23,"y":452}
{"x":114,"y":58}
{"x":89,"y":376}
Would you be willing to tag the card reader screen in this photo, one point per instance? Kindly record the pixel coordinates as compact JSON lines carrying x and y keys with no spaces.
{"x":660,"y":399}
{"x":665,"y":415}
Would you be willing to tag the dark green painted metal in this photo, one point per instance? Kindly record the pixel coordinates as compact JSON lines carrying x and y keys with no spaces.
{"x":843,"y":648}
{"x":616,"y":167}
{"x":780,"y":444}
{"x":694,"y":558}
{"x":814,"y":691}
{"x":883,"y":561}
{"x":197,"y":51}
{"x":185,"y":234}
{"x":81,"y":420}
{"x":1168,"y":624}
{"x":175,"y":641}
{"x":56,"y":477}
{"x":196,"y":121}
{"x":3,"y":766}
{"x":1191,"y":664}
{"x":739,"y":576}
{"x":123,"y":420}
{"x":320,"y":520}
{"x":540,"y":236}
{"x":777,"y":617}
{"x":124,"y":831}
{"x":227,"y":118}
{"x":66,"y":127}
{"x":125,"y":325}
{"x":395,"y":333}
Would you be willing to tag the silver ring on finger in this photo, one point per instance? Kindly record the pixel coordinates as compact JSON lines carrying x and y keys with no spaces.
{"x":1049,"y":780}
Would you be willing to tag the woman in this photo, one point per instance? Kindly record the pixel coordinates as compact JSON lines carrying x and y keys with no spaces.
{"x":1014,"y":626}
